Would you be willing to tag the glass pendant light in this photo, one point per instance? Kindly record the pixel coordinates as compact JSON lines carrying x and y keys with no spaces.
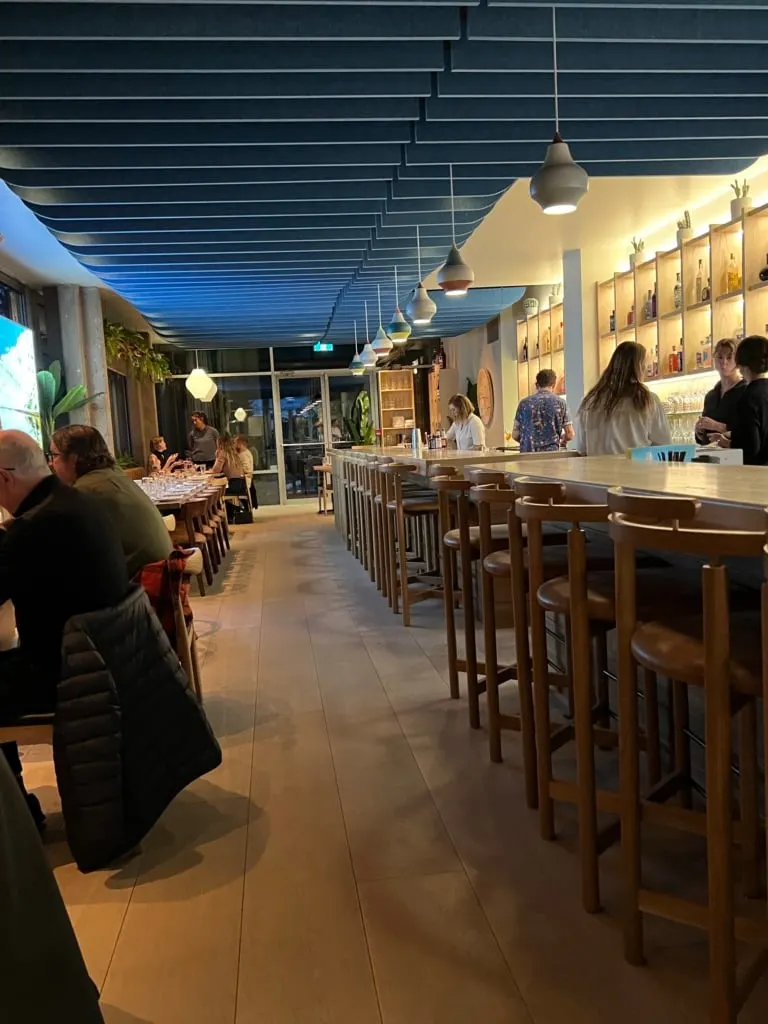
{"x":455,"y":277}
{"x":382,"y":343}
{"x":398,"y":327}
{"x":357,"y":366}
{"x":198,"y":383}
{"x":367,"y":356}
{"x":420,"y":307}
{"x":560,"y":182}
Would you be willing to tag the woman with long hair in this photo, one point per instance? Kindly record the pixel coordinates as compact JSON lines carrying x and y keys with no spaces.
{"x":466,"y":429}
{"x":227,"y":462}
{"x":620,"y":412}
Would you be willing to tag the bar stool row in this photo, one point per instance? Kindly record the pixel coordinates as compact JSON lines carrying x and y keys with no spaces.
{"x":674,"y":631}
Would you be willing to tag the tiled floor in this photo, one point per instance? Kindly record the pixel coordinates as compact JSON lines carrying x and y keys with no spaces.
{"x":356,"y":859}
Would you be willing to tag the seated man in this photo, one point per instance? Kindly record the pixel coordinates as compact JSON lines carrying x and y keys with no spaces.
{"x":59,"y":556}
{"x":81,"y":458}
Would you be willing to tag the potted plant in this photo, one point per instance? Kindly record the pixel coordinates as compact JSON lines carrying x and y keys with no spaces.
{"x":55,"y":402}
{"x":684,"y":229}
{"x":554,"y":296}
{"x":358,"y":425}
{"x":638,"y":247}
{"x":742,"y":200}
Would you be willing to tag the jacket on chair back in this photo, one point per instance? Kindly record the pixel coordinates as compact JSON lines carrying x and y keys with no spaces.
{"x":129,"y":734}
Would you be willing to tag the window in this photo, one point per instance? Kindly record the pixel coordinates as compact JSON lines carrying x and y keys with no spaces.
{"x":121,"y":423}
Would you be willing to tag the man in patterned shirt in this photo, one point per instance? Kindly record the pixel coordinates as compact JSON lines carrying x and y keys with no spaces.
{"x":542,"y":423}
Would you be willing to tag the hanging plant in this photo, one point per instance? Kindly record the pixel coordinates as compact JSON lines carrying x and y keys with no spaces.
{"x":136,"y":351}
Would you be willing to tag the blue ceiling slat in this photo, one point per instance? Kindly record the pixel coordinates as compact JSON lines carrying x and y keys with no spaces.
{"x":676,"y":126}
{"x":208,"y":195}
{"x":593,"y":108}
{"x":98,"y":180}
{"x":514,"y":84}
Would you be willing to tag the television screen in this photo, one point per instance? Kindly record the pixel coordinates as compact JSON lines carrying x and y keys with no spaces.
{"x":19,"y":401}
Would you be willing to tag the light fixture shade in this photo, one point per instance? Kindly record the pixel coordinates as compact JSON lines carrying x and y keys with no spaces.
{"x":420,"y":307}
{"x":356,"y":366}
{"x":199,"y":384}
{"x":208,"y":397}
{"x":398,"y":328}
{"x":240,"y":414}
{"x":560,"y":182}
{"x":455,"y":277}
{"x":382,"y":343}
{"x":368,"y":357}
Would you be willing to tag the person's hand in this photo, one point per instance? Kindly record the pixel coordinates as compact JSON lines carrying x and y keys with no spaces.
{"x":704,"y":424}
{"x":723,"y":440}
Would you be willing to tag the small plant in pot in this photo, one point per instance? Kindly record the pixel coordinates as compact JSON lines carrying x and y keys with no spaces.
{"x":742,"y":200}
{"x":638,"y":248}
{"x":684,"y":228}
{"x":55,"y":402}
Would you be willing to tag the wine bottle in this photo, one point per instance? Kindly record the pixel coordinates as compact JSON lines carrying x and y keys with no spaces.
{"x":700,"y":281}
{"x":648,"y":307}
{"x":677,"y":293}
{"x":612,"y":321}
{"x":653,"y":302}
{"x":524,"y":357}
{"x":631,"y":316}
{"x":763,"y":275}
{"x":680,"y":357}
{"x":706,"y":291}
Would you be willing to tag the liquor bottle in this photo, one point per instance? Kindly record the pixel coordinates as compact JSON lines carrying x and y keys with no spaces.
{"x":524,"y":356}
{"x":700,"y":281}
{"x":732,"y":276}
{"x":631,"y":316}
{"x":706,"y":291}
{"x":677,"y":293}
{"x":706,"y":354}
{"x":680,"y":357}
{"x":648,"y":307}
{"x":672,"y":361}
{"x":763,"y":275}
{"x":653,"y":302}
{"x":547,"y":342}
{"x":537,"y":350}
{"x":611,"y":321}
{"x":559,"y":337}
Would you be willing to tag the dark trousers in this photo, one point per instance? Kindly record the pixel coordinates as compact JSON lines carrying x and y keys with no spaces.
{"x":24,"y":689}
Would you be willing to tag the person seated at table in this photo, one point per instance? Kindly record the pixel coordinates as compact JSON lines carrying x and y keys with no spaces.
{"x":203,"y":440}
{"x":542,"y":422}
{"x":245,"y":455}
{"x":620,"y":412}
{"x":80,"y":457}
{"x":60,"y":556}
{"x":160,"y":459}
{"x":467,"y":429}
{"x":721,"y":402}
{"x":750,"y":423}
{"x":228,"y":462}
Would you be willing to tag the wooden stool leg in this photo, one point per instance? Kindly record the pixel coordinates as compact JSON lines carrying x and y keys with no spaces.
{"x":600,"y":646}
{"x":682,"y":743}
{"x":542,"y":716}
{"x":523,"y":659}
{"x":404,"y":592}
{"x":450,"y":624}
{"x":491,"y":667}
{"x":652,"y":738}
{"x":468,"y":605}
{"x":749,"y":801}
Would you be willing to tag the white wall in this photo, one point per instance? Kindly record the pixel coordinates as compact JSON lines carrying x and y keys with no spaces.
{"x":469,"y":353}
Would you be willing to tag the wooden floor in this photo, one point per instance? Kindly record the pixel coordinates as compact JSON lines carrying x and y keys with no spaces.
{"x":356,"y":859}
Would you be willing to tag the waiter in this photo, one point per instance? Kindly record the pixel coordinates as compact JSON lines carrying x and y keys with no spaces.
{"x":202,"y":441}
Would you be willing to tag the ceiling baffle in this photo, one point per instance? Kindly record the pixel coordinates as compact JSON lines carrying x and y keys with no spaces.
{"x":244,"y":173}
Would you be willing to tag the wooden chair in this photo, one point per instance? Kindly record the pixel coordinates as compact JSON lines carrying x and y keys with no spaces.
{"x":714,"y":649}
{"x":188,"y":536}
{"x":186,"y":636}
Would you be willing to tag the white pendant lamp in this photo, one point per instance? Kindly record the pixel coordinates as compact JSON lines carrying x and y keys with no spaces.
{"x":382,"y":343}
{"x":212,"y":389}
{"x":420,"y":307}
{"x":240,"y":414}
{"x":398,"y":327}
{"x":367,"y":356}
{"x":199,"y":383}
{"x":455,"y":277}
{"x":357,"y":366}
{"x":560,"y":182}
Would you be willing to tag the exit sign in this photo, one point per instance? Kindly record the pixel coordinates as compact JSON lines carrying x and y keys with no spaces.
{"x":323,"y":346}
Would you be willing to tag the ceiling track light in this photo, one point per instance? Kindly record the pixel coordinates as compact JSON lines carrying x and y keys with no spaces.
{"x":420,"y":307}
{"x":356,"y":366}
{"x":367,"y":356}
{"x":455,"y":277}
{"x":382,"y":343}
{"x":560,"y":182}
{"x":398,"y":327}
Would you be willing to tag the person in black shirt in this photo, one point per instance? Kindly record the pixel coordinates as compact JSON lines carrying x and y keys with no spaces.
{"x":721,"y":402}
{"x":750,"y":425}
{"x":160,"y":459}
{"x":59,"y":556}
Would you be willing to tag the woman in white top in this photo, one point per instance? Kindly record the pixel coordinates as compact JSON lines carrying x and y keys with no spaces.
{"x":620,"y":412}
{"x":467,"y":429}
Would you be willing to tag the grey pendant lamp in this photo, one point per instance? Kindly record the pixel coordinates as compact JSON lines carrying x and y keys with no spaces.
{"x":455,"y":277}
{"x":560,"y":182}
{"x":356,"y":366}
{"x":420,"y":308}
{"x":382,"y":343}
{"x":398,"y":327}
{"x":367,"y":356}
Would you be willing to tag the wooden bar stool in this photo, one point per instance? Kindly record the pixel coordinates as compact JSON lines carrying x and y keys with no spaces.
{"x":713,"y":646}
{"x":380,"y":546}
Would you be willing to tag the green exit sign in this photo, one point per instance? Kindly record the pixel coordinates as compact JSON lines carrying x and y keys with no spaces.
{"x":323,"y":346}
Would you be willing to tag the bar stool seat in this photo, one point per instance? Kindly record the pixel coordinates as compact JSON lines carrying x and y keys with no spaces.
{"x":678,"y":651}
{"x":499,"y":535}
{"x":414,"y":506}
{"x":654,"y":588}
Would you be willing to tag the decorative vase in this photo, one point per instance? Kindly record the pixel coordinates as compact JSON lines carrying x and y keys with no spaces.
{"x":530,"y":306}
{"x":683,"y":234}
{"x":739,"y":206}
{"x":632,"y":260}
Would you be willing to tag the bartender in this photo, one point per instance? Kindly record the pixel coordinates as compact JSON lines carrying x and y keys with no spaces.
{"x":466,"y":430}
{"x":721,"y":403}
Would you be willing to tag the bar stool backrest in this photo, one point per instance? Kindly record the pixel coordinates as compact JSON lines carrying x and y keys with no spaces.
{"x":479,"y":476}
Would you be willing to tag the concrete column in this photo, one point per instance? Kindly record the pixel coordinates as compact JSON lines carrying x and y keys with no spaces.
{"x":72,"y":354}
{"x":95,"y":363}
{"x":580,"y":325}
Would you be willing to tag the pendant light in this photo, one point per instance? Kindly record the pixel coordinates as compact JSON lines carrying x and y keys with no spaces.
{"x":199,"y":383}
{"x":367,"y":356}
{"x":560,"y":182}
{"x":382,"y":343}
{"x":211,"y":392}
{"x":454,"y":277}
{"x":357,"y":366}
{"x":420,"y":307}
{"x":398,"y":327}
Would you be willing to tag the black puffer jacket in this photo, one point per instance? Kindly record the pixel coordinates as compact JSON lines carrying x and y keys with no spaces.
{"x":129,"y":735}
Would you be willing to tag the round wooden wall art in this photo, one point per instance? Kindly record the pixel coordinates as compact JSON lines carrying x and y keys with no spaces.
{"x":485,"y":397}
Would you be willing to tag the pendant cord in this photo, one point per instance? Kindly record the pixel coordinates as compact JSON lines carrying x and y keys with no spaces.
{"x":453,"y":214}
{"x":418,"y":251}
{"x":378,"y":289}
{"x":367,"y":330}
{"x":554,"y":67}
{"x":397,"y":298}
{"x":356,"y":352}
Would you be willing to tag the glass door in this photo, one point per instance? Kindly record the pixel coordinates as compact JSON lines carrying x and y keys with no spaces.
{"x":349,"y":410}
{"x":303,"y":433}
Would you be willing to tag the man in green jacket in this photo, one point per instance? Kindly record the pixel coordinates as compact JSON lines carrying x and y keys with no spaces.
{"x":81,"y":458}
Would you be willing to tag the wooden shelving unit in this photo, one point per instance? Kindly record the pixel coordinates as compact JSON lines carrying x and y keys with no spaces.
{"x":396,"y":405}
{"x":541,"y":346}
{"x":694,"y":321}
{"x":443,"y":384}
